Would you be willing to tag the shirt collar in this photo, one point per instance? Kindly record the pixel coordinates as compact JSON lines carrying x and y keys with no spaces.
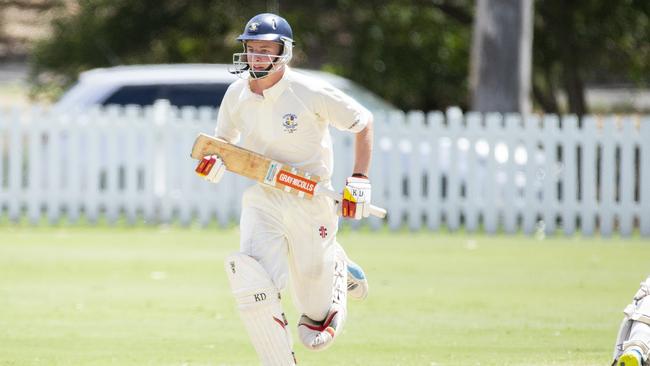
{"x":272,"y":93}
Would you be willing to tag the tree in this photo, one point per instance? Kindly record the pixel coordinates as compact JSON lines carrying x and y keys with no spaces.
{"x":588,"y":41}
{"x":114,"y":32}
{"x":18,"y":20}
{"x":414,"y":57}
{"x":501,"y":56}
{"x":414,"y":53}
{"x":582,"y":42}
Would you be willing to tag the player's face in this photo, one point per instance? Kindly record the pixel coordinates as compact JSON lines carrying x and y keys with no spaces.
{"x":261,"y":54}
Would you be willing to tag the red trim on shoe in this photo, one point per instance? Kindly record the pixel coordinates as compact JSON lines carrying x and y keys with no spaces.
{"x":325,"y":326}
{"x":331,"y":331}
{"x":279,"y":322}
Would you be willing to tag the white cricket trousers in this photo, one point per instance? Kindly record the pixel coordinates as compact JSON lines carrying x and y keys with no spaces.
{"x":287,"y":234}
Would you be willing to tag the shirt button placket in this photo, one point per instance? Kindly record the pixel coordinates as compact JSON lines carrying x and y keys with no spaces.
{"x":264,"y":119}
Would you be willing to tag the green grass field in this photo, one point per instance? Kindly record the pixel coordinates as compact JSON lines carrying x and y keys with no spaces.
{"x":158,"y":296}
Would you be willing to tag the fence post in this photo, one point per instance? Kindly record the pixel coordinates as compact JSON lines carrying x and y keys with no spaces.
{"x":550,"y":132}
{"x":434,"y":202}
{"x":628,"y":143}
{"x":454,"y":128}
{"x":110,"y":134}
{"x":531,"y":200}
{"x":644,"y":166}
{"x":473,"y":182}
{"x":395,"y":180}
{"x":93,"y":169}
{"x":378,"y":172}
{"x":416,"y":168}
{"x":36,"y":160}
{"x":568,"y":173}
{"x":588,"y":173}
{"x":53,"y":153}
{"x":512,"y":133}
{"x":607,"y":177}
{"x":72,"y":135}
{"x":15,"y":163}
{"x":161,"y":111}
{"x":492,"y":200}
{"x":132,"y":161}
{"x":4,"y":116}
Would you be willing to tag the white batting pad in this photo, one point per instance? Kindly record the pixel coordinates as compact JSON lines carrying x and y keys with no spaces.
{"x":260,"y":308}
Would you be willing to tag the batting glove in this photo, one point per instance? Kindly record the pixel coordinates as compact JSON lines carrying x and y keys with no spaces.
{"x":211,"y":168}
{"x":356,"y":198}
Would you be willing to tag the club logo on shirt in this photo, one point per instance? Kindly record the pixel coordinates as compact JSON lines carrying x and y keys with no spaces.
{"x":290,"y":122}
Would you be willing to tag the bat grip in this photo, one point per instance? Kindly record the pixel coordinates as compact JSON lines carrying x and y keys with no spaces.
{"x":374,"y":210}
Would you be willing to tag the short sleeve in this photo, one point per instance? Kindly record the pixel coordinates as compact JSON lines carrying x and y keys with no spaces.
{"x":226,"y":125}
{"x":342,"y":111}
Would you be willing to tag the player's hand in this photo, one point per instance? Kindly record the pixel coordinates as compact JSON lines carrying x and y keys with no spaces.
{"x":211,"y":168}
{"x":356,"y":198}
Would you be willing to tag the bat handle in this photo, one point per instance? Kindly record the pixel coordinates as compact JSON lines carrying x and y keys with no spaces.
{"x":377,"y":211}
{"x":374,"y":210}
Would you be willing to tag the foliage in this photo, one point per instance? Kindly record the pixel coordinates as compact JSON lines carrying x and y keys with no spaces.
{"x":390,"y":48}
{"x":113,"y":32}
{"x":589,"y":41}
{"x":409,"y":53}
{"x":414,"y":53}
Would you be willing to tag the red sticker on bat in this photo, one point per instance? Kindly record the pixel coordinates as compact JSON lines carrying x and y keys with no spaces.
{"x":296,"y":182}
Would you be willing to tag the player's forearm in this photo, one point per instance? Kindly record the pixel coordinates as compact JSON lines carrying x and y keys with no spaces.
{"x":363,"y":149}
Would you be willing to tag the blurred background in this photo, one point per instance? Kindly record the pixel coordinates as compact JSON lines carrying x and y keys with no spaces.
{"x":501,"y":113}
{"x":579,"y":57}
{"x":512,"y":152}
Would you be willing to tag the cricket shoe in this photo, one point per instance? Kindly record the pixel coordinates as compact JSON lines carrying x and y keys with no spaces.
{"x":357,"y":282}
{"x":631,"y":357}
{"x":318,"y":336}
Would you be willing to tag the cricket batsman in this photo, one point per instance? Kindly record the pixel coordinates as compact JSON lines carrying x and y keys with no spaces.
{"x":633,"y":341}
{"x":285,"y":115}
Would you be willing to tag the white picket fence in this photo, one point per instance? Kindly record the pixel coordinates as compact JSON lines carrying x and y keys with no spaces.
{"x":538,"y":174}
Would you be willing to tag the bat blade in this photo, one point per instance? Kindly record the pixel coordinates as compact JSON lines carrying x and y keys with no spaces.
{"x":255,"y":166}
{"x":258,"y":167}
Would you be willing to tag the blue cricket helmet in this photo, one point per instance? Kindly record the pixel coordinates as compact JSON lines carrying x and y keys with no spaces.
{"x":264,"y":27}
{"x":267,"y":27}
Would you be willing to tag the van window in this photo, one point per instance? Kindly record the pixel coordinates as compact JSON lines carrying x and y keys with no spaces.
{"x":196,"y":95}
{"x":135,"y":94}
{"x":180,"y":95}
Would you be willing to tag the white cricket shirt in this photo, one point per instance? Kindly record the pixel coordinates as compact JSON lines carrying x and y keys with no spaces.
{"x":290,"y":122}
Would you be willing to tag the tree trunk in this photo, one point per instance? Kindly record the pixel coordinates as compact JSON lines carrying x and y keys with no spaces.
{"x":575,"y":90}
{"x":500,"y":75}
{"x":544,"y":90}
{"x":574,"y":86}
{"x":546,"y":100}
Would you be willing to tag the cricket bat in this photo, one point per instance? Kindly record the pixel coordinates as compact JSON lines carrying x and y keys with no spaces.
{"x":267,"y":171}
